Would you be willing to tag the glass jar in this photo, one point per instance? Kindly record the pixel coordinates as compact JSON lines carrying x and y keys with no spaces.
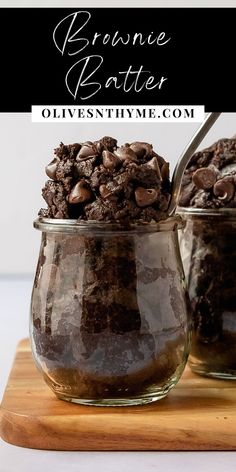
{"x":109,"y":318}
{"x":208,"y":249}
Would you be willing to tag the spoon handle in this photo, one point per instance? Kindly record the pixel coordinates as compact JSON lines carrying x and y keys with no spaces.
{"x":185,"y":157}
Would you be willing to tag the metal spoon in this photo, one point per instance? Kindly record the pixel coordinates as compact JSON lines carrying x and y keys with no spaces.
{"x":185,"y":157}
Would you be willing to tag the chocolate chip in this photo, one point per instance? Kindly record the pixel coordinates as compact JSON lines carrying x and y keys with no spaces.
{"x":141,"y":149}
{"x":154,"y":165}
{"x":204,"y":178}
{"x":224,"y":190}
{"x":125,"y":153}
{"x":80,"y":193}
{"x":165,"y":171}
{"x":87,"y":151}
{"x":108,"y":143}
{"x":160,"y":159}
{"x":99,"y":146}
{"x":51,"y":168}
{"x":145,"y":196}
{"x":110,"y":161}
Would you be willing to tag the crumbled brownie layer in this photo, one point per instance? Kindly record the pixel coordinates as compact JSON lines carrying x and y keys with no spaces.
{"x":211,"y":283}
{"x":101,"y":181}
{"x":210,"y":178}
{"x":108,"y":314}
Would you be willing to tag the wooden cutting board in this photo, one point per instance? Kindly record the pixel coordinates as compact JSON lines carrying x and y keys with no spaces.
{"x":198,"y":414}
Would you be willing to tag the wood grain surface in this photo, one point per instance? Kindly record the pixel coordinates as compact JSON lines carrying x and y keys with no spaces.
{"x":198,"y":414}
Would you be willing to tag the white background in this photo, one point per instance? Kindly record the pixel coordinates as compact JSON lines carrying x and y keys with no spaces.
{"x":25,"y":150}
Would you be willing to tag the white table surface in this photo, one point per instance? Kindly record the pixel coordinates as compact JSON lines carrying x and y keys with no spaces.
{"x":14,"y":313}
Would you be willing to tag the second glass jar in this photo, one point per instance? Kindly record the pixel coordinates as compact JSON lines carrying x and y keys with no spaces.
{"x":208,"y":249}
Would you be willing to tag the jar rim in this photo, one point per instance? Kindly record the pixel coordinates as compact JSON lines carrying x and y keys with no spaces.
{"x":226,"y":212}
{"x":54,"y":225}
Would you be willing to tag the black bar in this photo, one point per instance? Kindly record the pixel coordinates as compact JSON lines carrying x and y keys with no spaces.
{"x":194,"y":67}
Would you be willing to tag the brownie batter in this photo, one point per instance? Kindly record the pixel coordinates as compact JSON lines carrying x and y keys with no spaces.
{"x":209,"y":180}
{"x":105,"y":182}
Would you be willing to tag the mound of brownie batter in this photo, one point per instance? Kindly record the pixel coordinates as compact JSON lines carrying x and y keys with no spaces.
{"x":210,"y":178}
{"x":105,"y":182}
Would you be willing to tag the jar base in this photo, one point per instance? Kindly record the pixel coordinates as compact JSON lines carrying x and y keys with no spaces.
{"x":144,"y":399}
{"x":205,"y":371}
{"x":113,"y":401}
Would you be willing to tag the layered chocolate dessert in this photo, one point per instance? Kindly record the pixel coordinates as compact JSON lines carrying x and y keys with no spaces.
{"x":208,"y":247}
{"x":109,"y":316}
